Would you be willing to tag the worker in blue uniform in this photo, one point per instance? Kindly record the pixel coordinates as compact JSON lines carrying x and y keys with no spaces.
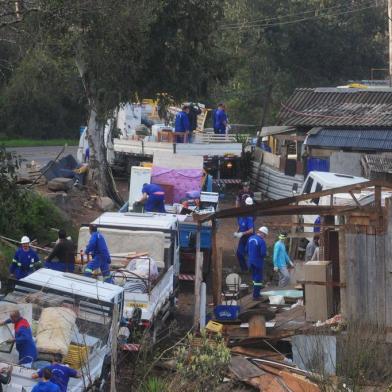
{"x":220,"y":120}
{"x":99,"y":251}
{"x":60,"y":373}
{"x":245,"y":230}
{"x":25,"y":261}
{"x":46,"y":385}
{"x":264,"y":144}
{"x":153,"y":197}
{"x":182,"y":124}
{"x":257,"y":250}
{"x":24,"y":341}
{"x":317,"y":222}
{"x":281,"y":259}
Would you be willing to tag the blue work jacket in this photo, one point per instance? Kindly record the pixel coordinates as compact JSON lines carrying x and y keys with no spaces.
{"x":24,"y":341}
{"x":150,"y":189}
{"x":257,"y":250}
{"x":60,"y":375}
{"x":98,"y":248}
{"x":220,"y":120}
{"x":182,"y":123}
{"x":45,"y":386}
{"x":24,"y":263}
{"x":245,"y":223}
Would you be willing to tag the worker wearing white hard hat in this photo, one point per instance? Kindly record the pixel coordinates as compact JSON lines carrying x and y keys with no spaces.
{"x":245,"y":230}
{"x":25,"y":261}
{"x":25,"y":240}
{"x":257,"y":250}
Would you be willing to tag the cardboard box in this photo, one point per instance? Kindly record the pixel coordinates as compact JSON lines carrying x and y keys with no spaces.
{"x":318,"y":298}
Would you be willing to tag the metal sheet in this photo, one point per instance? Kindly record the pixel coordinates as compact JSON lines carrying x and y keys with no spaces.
{"x":353,"y":139}
{"x":338,"y":107}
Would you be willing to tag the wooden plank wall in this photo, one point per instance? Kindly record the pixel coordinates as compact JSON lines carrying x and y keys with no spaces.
{"x":369,"y":273}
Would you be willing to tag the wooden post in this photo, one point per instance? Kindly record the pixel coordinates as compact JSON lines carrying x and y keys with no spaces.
{"x":217,"y":254}
{"x":342,"y":272}
{"x":198,"y":277}
{"x":257,"y":326}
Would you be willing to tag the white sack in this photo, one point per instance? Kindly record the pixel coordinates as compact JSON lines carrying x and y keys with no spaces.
{"x":55,"y":330}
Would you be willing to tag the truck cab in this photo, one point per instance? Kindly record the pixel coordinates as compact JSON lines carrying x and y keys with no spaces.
{"x":94,"y":303}
{"x":321,"y":181}
{"x":154,"y":234}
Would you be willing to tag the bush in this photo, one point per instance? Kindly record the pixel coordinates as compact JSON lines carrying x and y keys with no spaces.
{"x":201,"y":368}
{"x":23,"y":211}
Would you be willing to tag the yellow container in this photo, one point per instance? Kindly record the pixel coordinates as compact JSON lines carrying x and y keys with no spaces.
{"x":77,"y":356}
{"x":213,"y":326}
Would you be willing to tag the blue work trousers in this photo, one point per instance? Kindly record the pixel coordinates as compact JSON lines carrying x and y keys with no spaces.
{"x":155,"y":203}
{"x":257,"y":277}
{"x":241,"y":253}
{"x":60,"y":266}
{"x":103,"y":265}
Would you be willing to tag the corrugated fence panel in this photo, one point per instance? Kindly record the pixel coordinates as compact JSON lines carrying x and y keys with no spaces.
{"x":272,"y":183}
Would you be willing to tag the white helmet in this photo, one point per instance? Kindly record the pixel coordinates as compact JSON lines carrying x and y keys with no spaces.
{"x":249,"y":201}
{"x":264,"y":230}
{"x":25,"y":240}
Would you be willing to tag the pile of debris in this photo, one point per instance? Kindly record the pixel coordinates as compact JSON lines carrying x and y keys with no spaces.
{"x":31,"y":174}
{"x":258,"y":338}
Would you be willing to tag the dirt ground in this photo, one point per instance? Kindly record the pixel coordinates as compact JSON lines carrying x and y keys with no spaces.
{"x":81,"y":207}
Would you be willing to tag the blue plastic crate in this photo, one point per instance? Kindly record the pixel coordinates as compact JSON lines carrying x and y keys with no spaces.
{"x":226,"y":312}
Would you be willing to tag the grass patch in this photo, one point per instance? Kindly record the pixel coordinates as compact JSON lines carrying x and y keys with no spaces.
{"x":37,"y":143}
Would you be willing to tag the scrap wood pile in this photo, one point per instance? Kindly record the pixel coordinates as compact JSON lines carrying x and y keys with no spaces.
{"x":258,"y":338}
{"x":257,"y":342}
{"x":265,"y":374}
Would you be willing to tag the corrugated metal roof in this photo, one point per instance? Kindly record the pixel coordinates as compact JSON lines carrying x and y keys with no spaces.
{"x":274,"y":130}
{"x":359,"y":140}
{"x":338,"y":107}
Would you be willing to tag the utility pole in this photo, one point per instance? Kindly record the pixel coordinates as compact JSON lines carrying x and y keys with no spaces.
{"x":390,"y":39}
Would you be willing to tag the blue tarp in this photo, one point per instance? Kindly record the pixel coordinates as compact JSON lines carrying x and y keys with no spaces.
{"x":62,"y":168}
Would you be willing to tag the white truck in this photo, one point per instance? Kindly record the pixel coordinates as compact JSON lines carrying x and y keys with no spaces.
{"x":154,"y":234}
{"x":321,"y":181}
{"x":95,"y":303}
{"x":127,"y":149}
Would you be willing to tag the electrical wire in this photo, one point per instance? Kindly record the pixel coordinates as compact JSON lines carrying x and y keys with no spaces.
{"x":262,"y":26}
{"x":261,"y":20}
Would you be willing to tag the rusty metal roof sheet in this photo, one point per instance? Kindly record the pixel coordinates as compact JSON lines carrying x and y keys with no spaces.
{"x":330,"y":107}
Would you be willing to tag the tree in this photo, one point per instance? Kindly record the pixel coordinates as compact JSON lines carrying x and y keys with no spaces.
{"x":307,"y":43}
{"x":124,"y":50}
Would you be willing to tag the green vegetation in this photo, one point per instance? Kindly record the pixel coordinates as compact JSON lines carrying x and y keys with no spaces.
{"x":37,"y":142}
{"x":23,"y":211}
{"x":201,"y":367}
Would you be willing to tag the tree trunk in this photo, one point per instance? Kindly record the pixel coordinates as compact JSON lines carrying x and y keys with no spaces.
{"x":100,"y":173}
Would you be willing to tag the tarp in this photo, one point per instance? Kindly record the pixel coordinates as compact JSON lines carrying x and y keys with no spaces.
{"x":59,"y":169}
{"x":182,"y":180}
